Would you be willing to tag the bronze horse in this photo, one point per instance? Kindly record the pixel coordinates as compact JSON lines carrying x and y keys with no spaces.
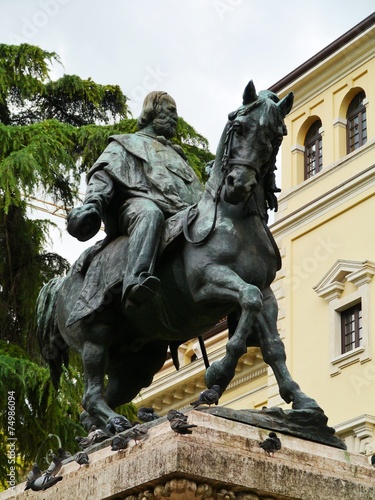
{"x":224,"y":266}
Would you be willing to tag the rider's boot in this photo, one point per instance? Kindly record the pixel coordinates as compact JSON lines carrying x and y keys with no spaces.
{"x":143,"y":291}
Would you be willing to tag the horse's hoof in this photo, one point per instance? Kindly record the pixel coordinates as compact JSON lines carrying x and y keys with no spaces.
{"x":306,"y":404}
{"x":215,"y":375}
{"x":87,"y":421}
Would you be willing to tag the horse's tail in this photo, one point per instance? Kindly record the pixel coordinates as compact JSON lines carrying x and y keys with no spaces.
{"x":52,"y":346}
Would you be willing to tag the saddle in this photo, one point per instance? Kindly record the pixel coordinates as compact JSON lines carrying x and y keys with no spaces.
{"x":102,"y":266}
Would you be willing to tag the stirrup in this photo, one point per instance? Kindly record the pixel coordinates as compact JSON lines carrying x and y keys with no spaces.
{"x":142,"y":292}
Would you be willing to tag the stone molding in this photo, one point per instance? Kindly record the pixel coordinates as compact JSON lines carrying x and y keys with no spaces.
{"x":181,"y":488}
{"x":220,"y":460}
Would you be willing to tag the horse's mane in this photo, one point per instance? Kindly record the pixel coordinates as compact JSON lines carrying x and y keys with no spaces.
{"x":276,"y":125}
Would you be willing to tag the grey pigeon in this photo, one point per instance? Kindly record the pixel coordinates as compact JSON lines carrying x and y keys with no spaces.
{"x":138,"y":432}
{"x":32,"y":475}
{"x":176,"y":414}
{"x":97,"y":435}
{"x":44,"y":482}
{"x":54,"y":466}
{"x":94,"y":436}
{"x":83,"y":442}
{"x":179,"y":422}
{"x":271,"y":444}
{"x":63,"y":454}
{"x":120,"y":442}
{"x":147,"y":414}
{"x":118,"y":424}
{"x":208,"y":397}
{"x":81,"y":458}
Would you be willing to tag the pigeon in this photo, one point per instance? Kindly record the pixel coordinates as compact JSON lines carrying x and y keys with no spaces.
{"x":54,"y":467}
{"x":32,"y":475}
{"x":94,"y":436}
{"x":271,"y":444}
{"x":179,"y":422}
{"x":63,"y":454}
{"x":120,"y":442}
{"x":373,"y":460}
{"x":146,"y":414}
{"x":138,"y":432}
{"x":44,"y":482}
{"x":208,"y":397}
{"x":83,"y":442}
{"x":118,"y":424}
{"x":97,"y":435}
{"x":176,"y":414}
{"x":81,"y":458}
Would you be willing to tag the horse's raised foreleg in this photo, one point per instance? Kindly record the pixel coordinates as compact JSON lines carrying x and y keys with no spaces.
{"x":226,"y":286}
{"x":273,"y":352}
{"x":94,"y":359}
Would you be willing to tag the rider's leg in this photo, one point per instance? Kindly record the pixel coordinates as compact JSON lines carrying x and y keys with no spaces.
{"x":142,"y":221}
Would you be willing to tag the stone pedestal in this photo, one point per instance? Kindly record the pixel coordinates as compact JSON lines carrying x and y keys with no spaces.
{"x":220,"y":460}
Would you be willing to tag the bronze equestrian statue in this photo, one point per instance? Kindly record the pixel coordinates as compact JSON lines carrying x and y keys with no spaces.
{"x":208,"y":255}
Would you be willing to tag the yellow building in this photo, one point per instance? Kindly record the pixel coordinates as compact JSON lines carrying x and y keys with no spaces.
{"x":325,"y":289}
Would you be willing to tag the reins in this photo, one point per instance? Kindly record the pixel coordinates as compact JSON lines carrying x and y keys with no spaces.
{"x":224,"y":168}
{"x":226,"y":162}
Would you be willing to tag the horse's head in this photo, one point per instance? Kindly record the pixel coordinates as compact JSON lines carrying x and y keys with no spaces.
{"x":251,"y":140}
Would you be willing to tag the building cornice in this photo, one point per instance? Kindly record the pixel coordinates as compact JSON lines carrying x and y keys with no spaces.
{"x":318,"y":206}
{"x":325,"y":53}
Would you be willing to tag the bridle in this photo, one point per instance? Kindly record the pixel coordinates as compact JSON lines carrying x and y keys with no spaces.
{"x":227,"y":161}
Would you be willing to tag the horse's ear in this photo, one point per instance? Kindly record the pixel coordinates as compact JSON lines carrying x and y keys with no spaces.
{"x":285,"y":105}
{"x":249,"y":94}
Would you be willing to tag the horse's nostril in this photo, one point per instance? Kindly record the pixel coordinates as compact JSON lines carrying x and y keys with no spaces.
{"x":230,"y":180}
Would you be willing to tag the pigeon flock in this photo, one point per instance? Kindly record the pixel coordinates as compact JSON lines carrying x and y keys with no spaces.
{"x":123,"y":432}
{"x":39,"y":481}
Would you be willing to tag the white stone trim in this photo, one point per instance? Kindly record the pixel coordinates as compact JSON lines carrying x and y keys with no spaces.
{"x":358,"y":434}
{"x":330,"y":288}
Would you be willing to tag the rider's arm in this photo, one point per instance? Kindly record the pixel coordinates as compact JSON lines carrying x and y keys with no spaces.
{"x":85,"y":221}
{"x":99,"y":191}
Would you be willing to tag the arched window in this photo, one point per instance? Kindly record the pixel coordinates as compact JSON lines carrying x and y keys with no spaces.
{"x":356,"y":127}
{"x":313,"y":150}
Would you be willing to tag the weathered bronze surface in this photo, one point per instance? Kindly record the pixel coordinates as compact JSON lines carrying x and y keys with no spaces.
{"x":124,"y":303}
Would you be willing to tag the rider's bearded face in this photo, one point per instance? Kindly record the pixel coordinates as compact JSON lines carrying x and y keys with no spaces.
{"x":165,"y":122}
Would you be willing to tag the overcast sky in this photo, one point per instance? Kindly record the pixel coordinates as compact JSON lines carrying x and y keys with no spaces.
{"x":202,"y":52}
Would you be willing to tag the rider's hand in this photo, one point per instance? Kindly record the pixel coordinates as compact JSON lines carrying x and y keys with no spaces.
{"x":84,"y":222}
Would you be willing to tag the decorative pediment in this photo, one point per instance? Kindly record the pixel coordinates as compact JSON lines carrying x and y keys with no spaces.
{"x":357,"y":272}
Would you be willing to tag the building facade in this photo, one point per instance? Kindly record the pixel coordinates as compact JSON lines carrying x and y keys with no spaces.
{"x":326,"y":287}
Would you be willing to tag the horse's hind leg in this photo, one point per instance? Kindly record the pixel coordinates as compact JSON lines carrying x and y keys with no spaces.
{"x":273,"y":352}
{"x":133,"y":371}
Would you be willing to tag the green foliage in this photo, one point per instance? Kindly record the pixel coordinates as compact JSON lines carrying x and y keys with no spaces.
{"x":195,"y":147}
{"x":38,"y":409}
{"x":50,"y":133}
{"x":38,"y":157}
{"x":24,"y":268}
{"x":23,"y":71}
{"x":81,"y":102}
{"x":27,"y":95}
